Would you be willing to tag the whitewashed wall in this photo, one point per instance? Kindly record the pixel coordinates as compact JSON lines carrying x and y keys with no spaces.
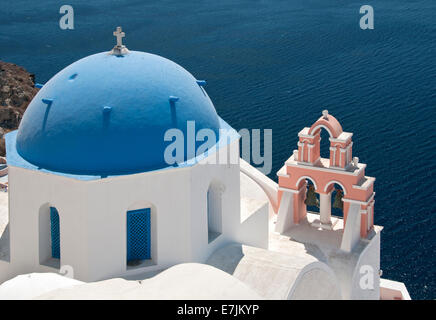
{"x":31,"y":192}
{"x":93,"y":218}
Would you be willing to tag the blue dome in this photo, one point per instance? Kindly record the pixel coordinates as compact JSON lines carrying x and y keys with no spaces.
{"x":107,"y":115}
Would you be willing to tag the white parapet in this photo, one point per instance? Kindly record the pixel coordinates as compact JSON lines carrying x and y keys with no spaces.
{"x":285,"y":214}
{"x":352,"y":229}
{"x":268,"y":186}
{"x":393,"y":290}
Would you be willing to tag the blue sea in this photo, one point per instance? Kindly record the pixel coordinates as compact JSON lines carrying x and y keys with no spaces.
{"x":276,"y":64}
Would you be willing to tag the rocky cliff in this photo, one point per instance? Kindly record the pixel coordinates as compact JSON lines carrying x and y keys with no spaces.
{"x":16,"y":91}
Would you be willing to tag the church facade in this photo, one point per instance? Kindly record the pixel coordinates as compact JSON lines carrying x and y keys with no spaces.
{"x":89,"y":185}
{"x":118,"y":226}
{"x":92,"y":195}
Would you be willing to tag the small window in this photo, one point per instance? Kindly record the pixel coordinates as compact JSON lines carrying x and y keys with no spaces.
{"x":138,"y":236}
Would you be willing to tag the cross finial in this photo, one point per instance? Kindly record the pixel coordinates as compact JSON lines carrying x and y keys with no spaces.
{"x":120,"y":35}
{"x":119,"y":49}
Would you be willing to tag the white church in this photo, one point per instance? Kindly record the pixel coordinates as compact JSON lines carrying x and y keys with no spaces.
{"x":94,"y":210}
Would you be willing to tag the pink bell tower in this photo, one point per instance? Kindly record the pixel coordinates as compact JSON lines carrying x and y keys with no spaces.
{"x":341,"y":169}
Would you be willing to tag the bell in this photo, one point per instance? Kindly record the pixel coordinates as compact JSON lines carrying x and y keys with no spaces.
{"x":338,"y":200}
{"x":311,"y":199}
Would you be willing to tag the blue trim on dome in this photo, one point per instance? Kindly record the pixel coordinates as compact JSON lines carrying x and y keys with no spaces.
{"x":14,"y":159}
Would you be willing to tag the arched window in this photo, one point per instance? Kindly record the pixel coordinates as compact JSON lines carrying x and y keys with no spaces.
{"x":214,"y":211}
{"x":49,"y":236}
{"x":55,"y":233}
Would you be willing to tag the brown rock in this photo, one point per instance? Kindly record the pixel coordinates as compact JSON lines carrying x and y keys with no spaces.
{"x":17,"y":89}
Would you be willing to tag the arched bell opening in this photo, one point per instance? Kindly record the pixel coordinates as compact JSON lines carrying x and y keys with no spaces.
{"x":336,"y":201}
{"x":324,"y":143}
{"x":311,"y":199}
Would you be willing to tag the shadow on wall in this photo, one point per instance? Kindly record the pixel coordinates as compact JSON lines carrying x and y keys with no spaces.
{"x":5,"y":245}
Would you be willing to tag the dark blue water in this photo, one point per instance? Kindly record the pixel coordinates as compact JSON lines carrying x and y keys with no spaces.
{"x":276,"y":64}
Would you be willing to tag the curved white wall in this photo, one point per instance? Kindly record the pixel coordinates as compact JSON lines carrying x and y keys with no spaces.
{"x":315,"y":282}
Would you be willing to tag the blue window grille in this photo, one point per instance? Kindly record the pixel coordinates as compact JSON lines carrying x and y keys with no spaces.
{"x":138,"y":235}
{"x":55,"y":236}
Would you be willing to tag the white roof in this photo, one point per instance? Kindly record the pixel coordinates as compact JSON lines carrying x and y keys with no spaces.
{"x":184,"y":281}
{"x":271,"y":274}
{"x":29,"y":286}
